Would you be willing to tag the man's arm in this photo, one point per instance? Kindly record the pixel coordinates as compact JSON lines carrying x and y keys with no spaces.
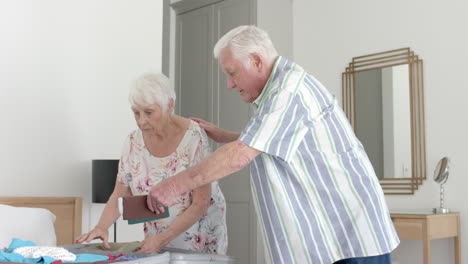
{"x":224,"y":161}
{"x":216,"y":133}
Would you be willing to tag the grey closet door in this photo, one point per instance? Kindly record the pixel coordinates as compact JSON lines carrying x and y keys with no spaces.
{"x":233,"y":114}
{"x":204,"y":93}
{"x":193,"y":63}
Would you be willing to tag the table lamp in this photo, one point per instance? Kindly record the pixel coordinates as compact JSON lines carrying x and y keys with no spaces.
{"x":104,"y":172}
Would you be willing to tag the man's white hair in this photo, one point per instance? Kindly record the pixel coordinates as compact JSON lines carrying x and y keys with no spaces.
{"x":151,"y":88}
{"x":245,"y":40}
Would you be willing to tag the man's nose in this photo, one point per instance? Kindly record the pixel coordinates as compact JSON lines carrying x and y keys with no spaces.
{"x":231,"y":84}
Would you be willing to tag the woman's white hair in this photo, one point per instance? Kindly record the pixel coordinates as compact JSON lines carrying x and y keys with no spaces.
{"x":151,"y":88}
{"x":245,"y":40}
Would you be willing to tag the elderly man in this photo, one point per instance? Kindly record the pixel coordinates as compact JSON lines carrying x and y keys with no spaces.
{"x":319,"y":200}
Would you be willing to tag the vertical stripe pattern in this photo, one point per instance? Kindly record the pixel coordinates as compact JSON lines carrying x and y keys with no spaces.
{"x":316,"y":193}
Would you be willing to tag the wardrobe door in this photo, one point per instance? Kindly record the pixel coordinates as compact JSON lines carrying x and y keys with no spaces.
{"x":202,"y":92}
{"x":193,"y":60}
{"x":233,"y":114}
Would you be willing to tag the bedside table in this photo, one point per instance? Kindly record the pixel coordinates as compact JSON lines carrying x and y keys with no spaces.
{"x":426,"y":227}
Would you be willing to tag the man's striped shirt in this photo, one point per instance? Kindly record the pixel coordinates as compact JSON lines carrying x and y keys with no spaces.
{"x":316,"y":194}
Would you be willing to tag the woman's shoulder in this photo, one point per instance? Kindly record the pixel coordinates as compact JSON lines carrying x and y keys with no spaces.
{"x":132,"y":143}
{"x":194,"y":136}
{"x":134,"y":136}
{"x":197,"y":131}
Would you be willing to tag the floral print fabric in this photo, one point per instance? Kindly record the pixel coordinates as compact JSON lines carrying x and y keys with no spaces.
{"x":140,"y":170}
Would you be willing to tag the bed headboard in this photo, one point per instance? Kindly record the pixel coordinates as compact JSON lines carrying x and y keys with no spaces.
{"x":67,"y":210}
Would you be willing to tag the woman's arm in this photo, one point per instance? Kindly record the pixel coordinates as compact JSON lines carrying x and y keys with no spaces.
{"x":108,"y":216}
{"x":200,"y":202}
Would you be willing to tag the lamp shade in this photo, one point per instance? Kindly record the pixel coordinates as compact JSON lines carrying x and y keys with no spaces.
{"x":104,"y":173}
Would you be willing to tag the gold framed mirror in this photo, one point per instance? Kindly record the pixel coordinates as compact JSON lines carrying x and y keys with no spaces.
{"x":383,"y":98}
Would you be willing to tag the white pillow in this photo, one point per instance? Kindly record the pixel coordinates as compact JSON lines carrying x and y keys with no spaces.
{"x":34,"y":224}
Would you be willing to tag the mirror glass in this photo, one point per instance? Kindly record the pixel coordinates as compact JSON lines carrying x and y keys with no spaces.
{"x":383,"y":99}
{"x":441,"y":172}
{"x":383,"y":119}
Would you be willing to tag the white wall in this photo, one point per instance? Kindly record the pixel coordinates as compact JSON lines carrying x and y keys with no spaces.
{"x":65,"y":70}
{"x":328,"y":34}
{"x":275,"y":16}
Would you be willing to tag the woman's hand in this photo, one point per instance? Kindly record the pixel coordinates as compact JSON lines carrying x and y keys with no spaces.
{"x":96,"y":233}
{"x":217,"y":134}
{"x":153,"y":244}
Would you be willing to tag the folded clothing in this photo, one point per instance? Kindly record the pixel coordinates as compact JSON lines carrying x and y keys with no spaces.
{"x":53,"y":252}
{"x":10,"y":256}
{"x":116,"y":247}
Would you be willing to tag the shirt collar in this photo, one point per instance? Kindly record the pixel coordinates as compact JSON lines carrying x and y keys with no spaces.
{"x":277,"y":67}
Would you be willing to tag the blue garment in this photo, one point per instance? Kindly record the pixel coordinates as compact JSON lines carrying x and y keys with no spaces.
{"x":88,"y":258}
{"x":382,"y":259}
{"x":9,"y":256}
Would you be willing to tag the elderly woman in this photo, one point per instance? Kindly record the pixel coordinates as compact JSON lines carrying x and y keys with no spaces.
{"x":163,"y":145}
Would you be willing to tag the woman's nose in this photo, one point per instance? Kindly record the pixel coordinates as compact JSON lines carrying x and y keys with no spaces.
{"x":141,"y":120}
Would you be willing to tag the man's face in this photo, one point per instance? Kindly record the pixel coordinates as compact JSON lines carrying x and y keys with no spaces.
{"x":248,"y":79}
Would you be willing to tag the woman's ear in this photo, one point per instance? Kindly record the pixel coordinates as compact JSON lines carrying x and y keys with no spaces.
{"x":170,"y":108}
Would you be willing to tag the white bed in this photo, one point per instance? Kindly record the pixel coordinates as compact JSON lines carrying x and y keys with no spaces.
{"x":67,"y":211}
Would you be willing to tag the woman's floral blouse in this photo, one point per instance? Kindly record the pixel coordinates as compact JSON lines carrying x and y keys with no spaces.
{"x":140,"y":170}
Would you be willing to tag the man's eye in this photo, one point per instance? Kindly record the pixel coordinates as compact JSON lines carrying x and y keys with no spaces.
{"x":148,"y":113}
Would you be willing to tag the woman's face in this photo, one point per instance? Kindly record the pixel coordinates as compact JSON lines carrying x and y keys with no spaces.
{"x":149,"y":118}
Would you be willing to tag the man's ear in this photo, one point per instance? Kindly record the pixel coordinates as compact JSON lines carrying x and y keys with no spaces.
{"x":257,"y":61}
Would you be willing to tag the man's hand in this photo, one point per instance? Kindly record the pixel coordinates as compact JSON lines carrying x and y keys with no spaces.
{"x":153,"y":244}
{"x":163,"y":194}
{"x":216,"y":133}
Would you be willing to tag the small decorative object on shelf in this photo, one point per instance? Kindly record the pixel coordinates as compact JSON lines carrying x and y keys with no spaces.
{"x":441,"y":174}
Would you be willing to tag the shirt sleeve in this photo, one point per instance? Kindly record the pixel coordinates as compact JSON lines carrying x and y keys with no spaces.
{"x":277,"y":128}
{"x":124,"y":164}
{"x":203,"y":148}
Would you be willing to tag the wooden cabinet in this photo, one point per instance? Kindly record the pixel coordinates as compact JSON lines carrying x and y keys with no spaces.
{"x":426,"y":227}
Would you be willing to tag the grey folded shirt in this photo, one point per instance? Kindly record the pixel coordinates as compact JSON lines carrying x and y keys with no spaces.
{"x":116,"y":247}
